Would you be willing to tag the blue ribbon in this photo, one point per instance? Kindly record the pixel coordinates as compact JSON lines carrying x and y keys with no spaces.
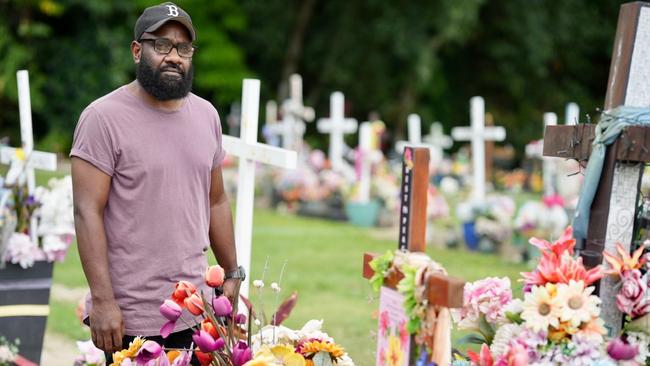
{"x":608,"y":129}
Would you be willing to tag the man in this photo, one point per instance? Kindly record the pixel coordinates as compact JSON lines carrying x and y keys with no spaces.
{"x":148,"y":189}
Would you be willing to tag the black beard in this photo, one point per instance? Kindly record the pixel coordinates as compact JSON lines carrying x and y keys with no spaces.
{"x":164,"y":87}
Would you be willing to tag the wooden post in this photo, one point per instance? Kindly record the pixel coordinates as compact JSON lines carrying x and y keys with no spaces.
{"x":612,"y":213}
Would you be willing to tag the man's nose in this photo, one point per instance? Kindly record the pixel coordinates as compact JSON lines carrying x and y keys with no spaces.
{"x":173,"y":56}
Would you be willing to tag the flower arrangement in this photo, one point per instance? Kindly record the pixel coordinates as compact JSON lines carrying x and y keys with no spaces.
{"x":558,"y":321}
{"x":8,"y":351}
{"x":223,"y":336}
{"x":90,"y":355}
{"x":52,"y":209}
{"x":545,"y":218}
{"x":492,"y":220}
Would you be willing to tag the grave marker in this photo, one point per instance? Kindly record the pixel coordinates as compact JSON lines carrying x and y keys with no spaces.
{"x":250,"y":152}
{"x":612,"y":212}
{"x":294,"y":116}
{"x":337,"y":126}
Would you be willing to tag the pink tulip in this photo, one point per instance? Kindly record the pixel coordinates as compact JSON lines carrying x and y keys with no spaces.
{"x":241,"y":354}
{"x":214,"y":276}
{"x":194,"y":304}
{"x":170,"y":310}
{"x":620,"y":350}
{"x":150,"y":350}
{"x":221,"y":306}
{"x":205,"y":342}
{"x":183,"y":359}
{"x":240,"y":318}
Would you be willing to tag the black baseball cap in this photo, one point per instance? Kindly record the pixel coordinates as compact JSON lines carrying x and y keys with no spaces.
{"x":154,"y":17}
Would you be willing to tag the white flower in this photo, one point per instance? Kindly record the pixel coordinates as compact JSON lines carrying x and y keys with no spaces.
{"x":22,"y":250}
{"x":258,"y":322}
{"x":6,"y":356}
{"x":577,"y":303}
{"x":541,"y":309}
{"x":275,"y":287}
{"x":258,"y":284}
{"x":91,"y":354}
{"x":516,"y":306}
{"x":502,"y":338}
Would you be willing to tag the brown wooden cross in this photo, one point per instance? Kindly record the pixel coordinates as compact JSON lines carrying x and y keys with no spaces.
{"x":613,"y":210}
{"x":441,"y":290}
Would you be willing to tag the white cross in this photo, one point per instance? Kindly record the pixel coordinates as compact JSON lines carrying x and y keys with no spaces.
{"x":438,"y":142}
{"x":369,"y":155}
{"x":294,"y":115}
{"x":249,"y":152}
{"x":270,"y":131}
{"x":22,"y":169}
{"x":337,"y":125}
{"x":549,"y":166}
{"x":572,"y":114}
{"x":413,"y":122}
{"x":478,"y":134}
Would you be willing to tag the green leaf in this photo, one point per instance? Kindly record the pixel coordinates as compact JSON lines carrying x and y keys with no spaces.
{"x":472,"y":339}
{"x":514,"y":317}
{"x":486,"y":329}
{"x":322,"y":358}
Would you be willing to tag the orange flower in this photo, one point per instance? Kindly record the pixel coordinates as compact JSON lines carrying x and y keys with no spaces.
{"x":204,"y":358}
{"x":214,"y":276}
{"x":183,"y":290}
{"x":207,"y":326}
{"x":564,"y":244}
{"x":194,"y":304}
{"x":625,"y":262}
{"x":552,"y":269}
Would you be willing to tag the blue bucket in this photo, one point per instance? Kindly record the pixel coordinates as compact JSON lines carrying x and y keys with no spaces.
{"x":364,"y":214}
{"x":471,"y":239}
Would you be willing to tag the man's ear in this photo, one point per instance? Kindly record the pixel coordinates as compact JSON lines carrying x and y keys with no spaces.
{"x":136,"y":51}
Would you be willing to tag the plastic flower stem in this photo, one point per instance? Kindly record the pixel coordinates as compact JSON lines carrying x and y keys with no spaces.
{"x":231,"y":326}
{"x":277,"y":298}
{"x":250,"y":325}
{"x":214,"y":321}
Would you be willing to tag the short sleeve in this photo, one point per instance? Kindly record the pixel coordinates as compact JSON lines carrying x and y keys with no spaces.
{"x":92,"y":142}
{"x":220,"y":153}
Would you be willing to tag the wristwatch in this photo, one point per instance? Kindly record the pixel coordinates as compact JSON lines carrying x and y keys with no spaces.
{"x":239,"y":274}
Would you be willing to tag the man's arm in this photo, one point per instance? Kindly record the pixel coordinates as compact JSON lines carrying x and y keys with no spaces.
{"x":90,"y":194}
{"x":222,"y":237}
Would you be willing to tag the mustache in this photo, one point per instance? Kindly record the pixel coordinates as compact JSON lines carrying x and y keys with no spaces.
{"x":172,"y":67}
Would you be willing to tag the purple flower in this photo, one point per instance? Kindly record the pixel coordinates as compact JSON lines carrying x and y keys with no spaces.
{"x":631,"y":298}
{"x":221,"y":306}
{"x":150,"y":350}
{"x":620,"y":350}
{"x":183,"y":359}
{"x":241,"y":354}
{"x":170,"y":310}
{"x":240,"y":318}
{"x":205,"y":342}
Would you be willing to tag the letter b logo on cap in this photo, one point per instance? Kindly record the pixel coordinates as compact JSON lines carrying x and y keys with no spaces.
{"x":173,"y":10}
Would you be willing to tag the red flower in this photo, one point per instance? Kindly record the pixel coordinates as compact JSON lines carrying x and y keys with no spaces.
{"x":182,"y":291}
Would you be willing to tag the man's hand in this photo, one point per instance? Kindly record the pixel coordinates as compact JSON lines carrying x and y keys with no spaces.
{"x":231,"y":289}
{"x":107,"y":326}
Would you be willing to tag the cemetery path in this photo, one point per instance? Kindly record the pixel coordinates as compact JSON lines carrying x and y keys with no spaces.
{"x":58,"y":350}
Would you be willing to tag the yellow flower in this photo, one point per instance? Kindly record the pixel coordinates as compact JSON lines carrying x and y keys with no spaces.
{"x":313,"y":347}
{"x":134,"y":347}
{"x":394,"y":354}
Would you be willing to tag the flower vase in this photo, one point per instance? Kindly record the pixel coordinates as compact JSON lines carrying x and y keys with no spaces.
{"x":364,"y":214}
{"x":469,"y":234}
{"x":24,"y":306}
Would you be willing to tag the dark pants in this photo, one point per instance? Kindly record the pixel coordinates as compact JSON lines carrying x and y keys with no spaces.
{"x":182,"y":339}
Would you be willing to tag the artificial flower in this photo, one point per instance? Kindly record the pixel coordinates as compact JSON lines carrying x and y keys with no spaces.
{"x":240,"y":318}
{"x":182,"y":291}
{"x":221,"y":306}
{"x":90,"y":355}
{"x":577,"y":303}
{"x":632,"y":298}
{"x":517,"y":355}
{"x":625,"y":262}
{"x":205,"y":359}
{"x":208,"y":326}
{"x":503,"y":336}
{"x":483,"y":358}
{"x":205,"y":342}
{"x":275,"y":287}
{"x":484,"y":297}
{"x":180,"y":358}
{"x":394,"y":354}
{"x":564,"y":244}
{"x":194,"y":304}
{"x":541,"y":308}
{"x":171,"y":311}
{"x":552,"y":269}
{"x":241,"y":354}
{"x":214,"y":276}
{"x":620,"y":350}
{"x":150,"y":350}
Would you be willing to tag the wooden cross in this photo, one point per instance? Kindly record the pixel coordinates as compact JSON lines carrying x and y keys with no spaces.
{"x":478,"y":134}
{"x":441,"y":290}
{"x":249,"y":152}
{"x":25,"y":160}
{"x":294,"y":116}
{"x":337,"y":125}
{"x":613,"y":210}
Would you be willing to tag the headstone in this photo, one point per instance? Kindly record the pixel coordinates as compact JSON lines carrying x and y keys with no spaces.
{"x":441,"y":291}
{"x":613,"y":210}
{"x":369,"y":155}
{"x":250,"y":152}
{"x":24,"y":160}
{"x":337,"y":126}
{"x":478,"y":134}
{"x":294,"y":116}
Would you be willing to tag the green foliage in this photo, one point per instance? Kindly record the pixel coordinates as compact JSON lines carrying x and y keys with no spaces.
{"x":380,"y":265}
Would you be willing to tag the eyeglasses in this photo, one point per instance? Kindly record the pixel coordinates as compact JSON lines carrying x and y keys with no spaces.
{"x":164,"y":46}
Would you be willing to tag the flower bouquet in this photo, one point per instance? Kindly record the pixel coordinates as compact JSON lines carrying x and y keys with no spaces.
{"x":8,"y":351}
{"x":558,"y":321}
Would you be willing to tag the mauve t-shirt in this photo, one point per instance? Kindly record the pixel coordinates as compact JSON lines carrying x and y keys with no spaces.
{"x":158,"y":212}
